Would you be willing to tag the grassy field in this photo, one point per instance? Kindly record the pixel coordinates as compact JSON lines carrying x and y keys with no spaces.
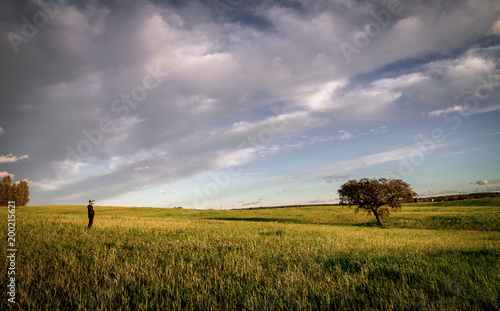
{"x":432,"y":256}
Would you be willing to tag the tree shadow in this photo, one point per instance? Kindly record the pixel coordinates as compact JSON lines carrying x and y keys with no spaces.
{"x":293,"y":221}
{"x":261,"y":219}
{"x":370,"y":224}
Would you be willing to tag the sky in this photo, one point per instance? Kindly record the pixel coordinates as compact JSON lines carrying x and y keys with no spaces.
{"x":239,"y":103}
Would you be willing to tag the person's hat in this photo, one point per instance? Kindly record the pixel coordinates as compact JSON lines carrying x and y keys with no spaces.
{"x":91,"y":200}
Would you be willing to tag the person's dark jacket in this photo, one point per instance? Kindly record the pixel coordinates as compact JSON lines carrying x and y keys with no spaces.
{"x":91,"y":211}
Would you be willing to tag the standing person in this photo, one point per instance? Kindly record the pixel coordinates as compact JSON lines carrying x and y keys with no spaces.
{"x":90,"y":209}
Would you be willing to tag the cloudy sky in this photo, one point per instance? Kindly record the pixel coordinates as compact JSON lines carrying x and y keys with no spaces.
{"x":237,"y":103}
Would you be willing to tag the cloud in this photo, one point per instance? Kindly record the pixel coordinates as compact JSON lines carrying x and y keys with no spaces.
{"x":344,"y":135}
{"x":329,"y":179}
{"x":115,"y":163}
{"x":440,"y":112}
{"x":234,"y":92}
{"x":488,"y":182}
{"x":69,"y":170}
{"x":495,"y":29}
{"x":488,"y":189}
{"x":12,"y":159}
{"x":167,"y":191}
{"x":4,"y":173}
{"x":402,"y":82}
{"x":361,"y":162}
{"x":346,"y":100}
{"x":323,"y":99}
{"x":463,"y":110}
{"x":52,"y":185}
{"x":420,"y":137}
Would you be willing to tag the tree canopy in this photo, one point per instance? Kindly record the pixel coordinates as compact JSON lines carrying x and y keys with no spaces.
{"x":18,"y":192}
{"x":372,"y":194}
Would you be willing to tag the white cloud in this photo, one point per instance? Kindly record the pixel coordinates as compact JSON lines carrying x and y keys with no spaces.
{"x":141,"y":168}
{"x":4,"y":173}
{"x":10,"y":158}
{"x":487,"y":182}
{"x":229,"y":158}
{"x":465,"y":111}
{"x":464,"y":74}
{"x":371,"y":102}
{"x":409,"y":27}
{"x":401,"y":82}
{"x":323,"y":99}
{"x":51,"y":185}
{"x":345,"y":135}
{"x":115,"y":163}
{"x":167,"y":191}
{"x":495,"y":29}
{"x":342,"y":100}
{"x":440,"y":112}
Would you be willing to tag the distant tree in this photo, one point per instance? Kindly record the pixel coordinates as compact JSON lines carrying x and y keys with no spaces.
{"x":22,"y":193}
{"x":2,"y":191}
{"x":13,"y":192}
{"x":5,"y":190}
{"x":372,"y":195}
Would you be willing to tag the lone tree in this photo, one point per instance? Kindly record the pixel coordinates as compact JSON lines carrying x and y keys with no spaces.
{"x":372,"y":194}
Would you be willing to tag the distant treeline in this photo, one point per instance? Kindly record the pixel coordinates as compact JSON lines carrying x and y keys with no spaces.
{"x":17,"y":192}
{"x":456,"y":197}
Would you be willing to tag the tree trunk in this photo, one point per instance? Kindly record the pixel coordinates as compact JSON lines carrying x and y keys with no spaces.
{"x":377,"y":215}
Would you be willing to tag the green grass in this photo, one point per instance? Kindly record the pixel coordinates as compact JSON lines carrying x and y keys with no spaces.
{"x":430,"y":257}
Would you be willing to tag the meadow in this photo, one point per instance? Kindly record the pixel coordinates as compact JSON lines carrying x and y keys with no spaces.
{"x":431,"y":256}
